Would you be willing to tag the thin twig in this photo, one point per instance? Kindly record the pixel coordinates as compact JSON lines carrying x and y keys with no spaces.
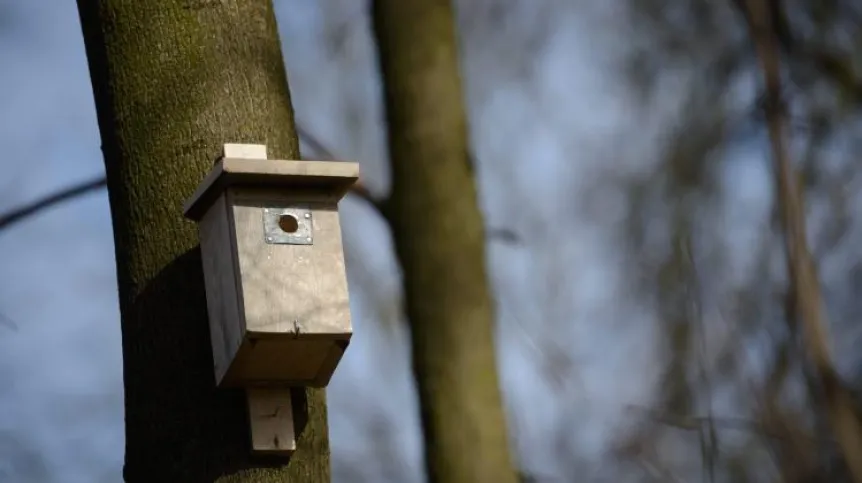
{"x":507,"y":236}
{"x":359,"y":189}
{"x":8,"y":323}
{"x":697,"y":423}
{"x":49,"y":201}
{"x":31,"y":209}
{"x":315,"y":144}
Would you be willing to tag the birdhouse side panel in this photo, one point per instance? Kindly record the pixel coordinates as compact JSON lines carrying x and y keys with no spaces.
{"x":291,"y":264}
{"x":218,"y":254}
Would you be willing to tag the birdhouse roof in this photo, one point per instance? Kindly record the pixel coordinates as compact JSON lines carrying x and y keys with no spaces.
{"x":330,"y":177}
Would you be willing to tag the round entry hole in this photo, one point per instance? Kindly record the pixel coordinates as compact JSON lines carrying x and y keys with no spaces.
{"x":288,"y":223}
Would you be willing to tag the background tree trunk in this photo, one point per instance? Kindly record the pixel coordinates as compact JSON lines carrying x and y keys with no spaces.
{"x":173,"y":81}
{"x":439,"y":240}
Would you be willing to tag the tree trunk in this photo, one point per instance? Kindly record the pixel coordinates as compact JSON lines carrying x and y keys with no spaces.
{"x":174,"y":80}
{"x":439,"y":239}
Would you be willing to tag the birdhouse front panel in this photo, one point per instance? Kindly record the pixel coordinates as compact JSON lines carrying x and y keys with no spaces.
{"x":292,"y":288}
{"x":291,"y":264}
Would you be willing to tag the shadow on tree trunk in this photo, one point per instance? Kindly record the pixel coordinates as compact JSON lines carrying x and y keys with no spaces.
{"x":185,"y":427}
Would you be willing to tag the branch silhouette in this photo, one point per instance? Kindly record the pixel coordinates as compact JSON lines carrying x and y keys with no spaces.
{"x":804,"y":289}
{"x":31,"y":209}
{"x":359,"y":189}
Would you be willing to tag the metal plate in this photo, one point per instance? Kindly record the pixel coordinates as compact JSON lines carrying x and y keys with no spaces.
{"x":288,"y":226}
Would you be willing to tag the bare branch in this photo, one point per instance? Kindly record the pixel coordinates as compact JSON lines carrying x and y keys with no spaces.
{"x":49,"y":201}
{"x":31,"y":209}
{"x":359,"y":189}
{"x":697,"y":423}
{"x":804,"y":286}
{"x":505,"y":235}
{"x":8,"y":323}
{"x":315,"y":144}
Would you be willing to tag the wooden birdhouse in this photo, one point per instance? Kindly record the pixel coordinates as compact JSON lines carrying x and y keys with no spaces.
{"x":273,"y":265}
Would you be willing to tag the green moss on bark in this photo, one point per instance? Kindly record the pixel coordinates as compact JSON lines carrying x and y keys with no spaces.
{"x":173,"y":81}
{"x":438,"y":234}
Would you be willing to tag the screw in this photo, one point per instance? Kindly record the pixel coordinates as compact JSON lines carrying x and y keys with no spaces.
{"x":269,"y":238}
{"x":308,"y":239}
{"x":308,"y":215}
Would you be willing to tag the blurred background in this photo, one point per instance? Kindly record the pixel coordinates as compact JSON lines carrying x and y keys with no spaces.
{"x":636,"y":262}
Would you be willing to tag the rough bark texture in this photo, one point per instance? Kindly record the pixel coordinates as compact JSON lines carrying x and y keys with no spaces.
{"x":173,"y":81}
{"x":438,"y":234}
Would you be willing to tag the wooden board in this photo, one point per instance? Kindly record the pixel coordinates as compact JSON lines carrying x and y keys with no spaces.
{"x":221,"y":276}
{"x":267,"y":361}
{"x":290,"y":289}
{"x":326,"y":177}
{"x":271,"y":421}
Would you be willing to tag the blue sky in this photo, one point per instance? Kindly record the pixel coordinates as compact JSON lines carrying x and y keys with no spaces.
{"x":61,"y":366}
{"x":559,"y":139}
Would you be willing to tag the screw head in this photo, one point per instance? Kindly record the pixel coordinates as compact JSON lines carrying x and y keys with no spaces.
{"x":308,"y":215}
{"x":308,"y":239}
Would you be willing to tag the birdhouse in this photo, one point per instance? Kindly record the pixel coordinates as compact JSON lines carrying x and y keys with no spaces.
{"x":273,"y":267}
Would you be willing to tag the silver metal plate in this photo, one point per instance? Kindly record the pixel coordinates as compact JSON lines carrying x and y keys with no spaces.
{"x":288,"y":226}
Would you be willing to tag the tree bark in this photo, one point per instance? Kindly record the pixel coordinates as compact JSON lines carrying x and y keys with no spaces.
{"x":439,"y":238}
{"x":173,"y":81}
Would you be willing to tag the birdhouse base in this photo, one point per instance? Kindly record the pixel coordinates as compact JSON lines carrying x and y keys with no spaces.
{"x":270,"y":360}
